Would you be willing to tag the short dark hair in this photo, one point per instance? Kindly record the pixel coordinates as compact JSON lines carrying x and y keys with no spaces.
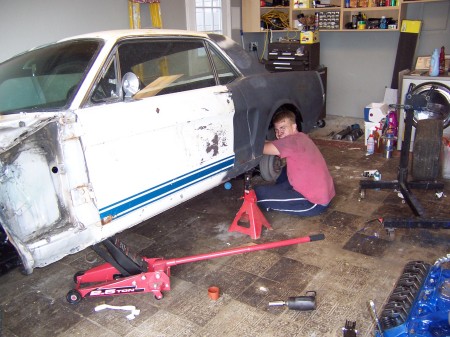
{"x":284,"y":114}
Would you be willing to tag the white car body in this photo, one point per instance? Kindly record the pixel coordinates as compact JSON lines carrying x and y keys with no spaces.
{"x":77,"y":174}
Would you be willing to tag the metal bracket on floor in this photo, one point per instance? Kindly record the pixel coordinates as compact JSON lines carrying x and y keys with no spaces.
{"x":429,"y":223}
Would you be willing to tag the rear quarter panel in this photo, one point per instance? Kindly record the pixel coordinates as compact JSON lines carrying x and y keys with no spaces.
{"x":257,"y":97}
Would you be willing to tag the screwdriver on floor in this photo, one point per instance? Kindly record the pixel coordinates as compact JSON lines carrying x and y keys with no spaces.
{"x":302,"y":303}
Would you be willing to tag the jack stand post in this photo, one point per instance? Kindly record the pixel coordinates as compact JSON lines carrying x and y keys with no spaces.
{"x":256,"y":218}
{"x":249,"y":213}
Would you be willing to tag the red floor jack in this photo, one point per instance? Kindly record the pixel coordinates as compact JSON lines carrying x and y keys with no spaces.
{"x":124,"y":273}
{"x":249,"y":219}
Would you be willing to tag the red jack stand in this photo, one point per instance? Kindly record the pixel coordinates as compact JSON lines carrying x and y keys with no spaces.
{"x":255,"y":217}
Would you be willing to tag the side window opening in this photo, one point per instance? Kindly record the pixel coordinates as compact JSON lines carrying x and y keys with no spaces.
{"x":225,"y":73}
{"x":107,"y":88}
{"x":167,"y":66}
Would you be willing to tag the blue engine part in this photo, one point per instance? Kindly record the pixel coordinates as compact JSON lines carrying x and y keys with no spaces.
{"x":419,"y":305}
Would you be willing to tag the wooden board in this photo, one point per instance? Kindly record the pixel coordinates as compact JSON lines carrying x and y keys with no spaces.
{"x":406,"y":49}
{"x":156,"y":86}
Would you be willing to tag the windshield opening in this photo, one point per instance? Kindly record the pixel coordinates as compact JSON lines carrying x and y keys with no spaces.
{"x":46,"y":78}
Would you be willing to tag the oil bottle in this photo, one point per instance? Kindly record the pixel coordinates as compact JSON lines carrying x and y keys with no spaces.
{"x":434,"y":63}
{"x":442,"y":61}
{"x":370,"y":144}
{"x":376,"y":141}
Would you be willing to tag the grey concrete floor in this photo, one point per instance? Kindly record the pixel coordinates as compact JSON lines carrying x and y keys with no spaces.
{"x":357,"y":261}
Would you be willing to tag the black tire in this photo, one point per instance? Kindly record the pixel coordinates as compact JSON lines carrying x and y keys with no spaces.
{"x":74,"y":296}
{"x":270,"y":167}
{"x":427,"y":149}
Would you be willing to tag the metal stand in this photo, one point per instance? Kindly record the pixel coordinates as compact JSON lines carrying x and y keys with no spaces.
{"x":412,"y":102}
{"x":253,"y":214}
{"x":249,"y":213}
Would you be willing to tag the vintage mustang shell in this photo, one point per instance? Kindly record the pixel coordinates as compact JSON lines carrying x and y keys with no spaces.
{"x":102,"y":131}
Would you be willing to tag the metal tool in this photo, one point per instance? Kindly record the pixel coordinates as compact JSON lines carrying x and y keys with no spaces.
{"x":124,"y":273}
{"x":375,"y":316}
{"x":349,"y":330}
{"x":302,"y":303}
{"x":341,"y":134}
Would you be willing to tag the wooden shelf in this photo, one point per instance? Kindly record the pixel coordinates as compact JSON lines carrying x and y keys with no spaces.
{"x":252,"y":11}
{"x":409,"y":2}
{"x":371,"y":9}
{"x":318,"y":9}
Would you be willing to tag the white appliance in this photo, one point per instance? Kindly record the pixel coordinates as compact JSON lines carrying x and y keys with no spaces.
{"x":417,"y":80}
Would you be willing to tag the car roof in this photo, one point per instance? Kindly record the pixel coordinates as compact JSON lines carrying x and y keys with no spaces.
{"x":114,"y":35}
{"x":242,"y":60}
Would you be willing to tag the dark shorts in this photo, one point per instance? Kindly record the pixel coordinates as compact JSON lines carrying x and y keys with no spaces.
{"x":283,"y":198}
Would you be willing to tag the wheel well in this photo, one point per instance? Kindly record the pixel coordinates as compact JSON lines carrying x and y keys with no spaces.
{"x":10,"y":256}
{"x":298,"y":119}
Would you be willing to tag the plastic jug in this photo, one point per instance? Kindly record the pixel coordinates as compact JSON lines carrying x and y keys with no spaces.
{"x":370,"y":144}
{"x":434,"y":63}
{"x":392,"y":122}
{"x":383,"y":23}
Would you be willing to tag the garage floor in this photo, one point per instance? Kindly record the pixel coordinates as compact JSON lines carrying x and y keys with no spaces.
{"x":356,"y":262}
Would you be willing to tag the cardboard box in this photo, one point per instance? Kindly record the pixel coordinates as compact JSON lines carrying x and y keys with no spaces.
{"x":375,"y":112}
{"x":411,"y":26}
{"x":359,"y":3}
{"x":303,"y":4}
{"x":309,"y":37}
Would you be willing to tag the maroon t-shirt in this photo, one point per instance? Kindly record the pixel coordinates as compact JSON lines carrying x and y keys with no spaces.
{"x":307,"y":170}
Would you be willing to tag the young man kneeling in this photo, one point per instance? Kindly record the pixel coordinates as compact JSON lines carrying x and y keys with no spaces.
{"x":305,"y":186}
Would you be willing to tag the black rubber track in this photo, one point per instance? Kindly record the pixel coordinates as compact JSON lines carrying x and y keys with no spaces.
{"x":427,"y":148}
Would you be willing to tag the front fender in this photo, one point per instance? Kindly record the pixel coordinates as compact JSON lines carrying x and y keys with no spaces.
{"x":41,"y":176}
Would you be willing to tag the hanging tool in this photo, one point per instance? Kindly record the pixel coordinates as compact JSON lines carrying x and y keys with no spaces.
{"x":134,"y":13}
{"x":125,"y":273}
{"x":302,"y":303}
{"x":155,"y":13}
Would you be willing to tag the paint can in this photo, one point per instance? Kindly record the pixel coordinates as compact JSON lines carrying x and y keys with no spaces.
{"x":388,"y":145}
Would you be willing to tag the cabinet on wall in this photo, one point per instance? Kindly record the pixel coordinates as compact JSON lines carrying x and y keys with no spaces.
{"x":334,"y":17}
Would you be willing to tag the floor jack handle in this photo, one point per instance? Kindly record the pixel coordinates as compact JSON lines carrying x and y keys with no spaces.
{"x":239,"y":250}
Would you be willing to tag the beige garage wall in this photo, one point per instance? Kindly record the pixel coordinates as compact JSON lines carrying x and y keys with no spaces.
{"x":360,"y":65}
{"x":25,"y":24}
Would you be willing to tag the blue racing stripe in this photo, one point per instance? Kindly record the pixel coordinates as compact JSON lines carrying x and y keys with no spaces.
{"x":139,"y":200}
